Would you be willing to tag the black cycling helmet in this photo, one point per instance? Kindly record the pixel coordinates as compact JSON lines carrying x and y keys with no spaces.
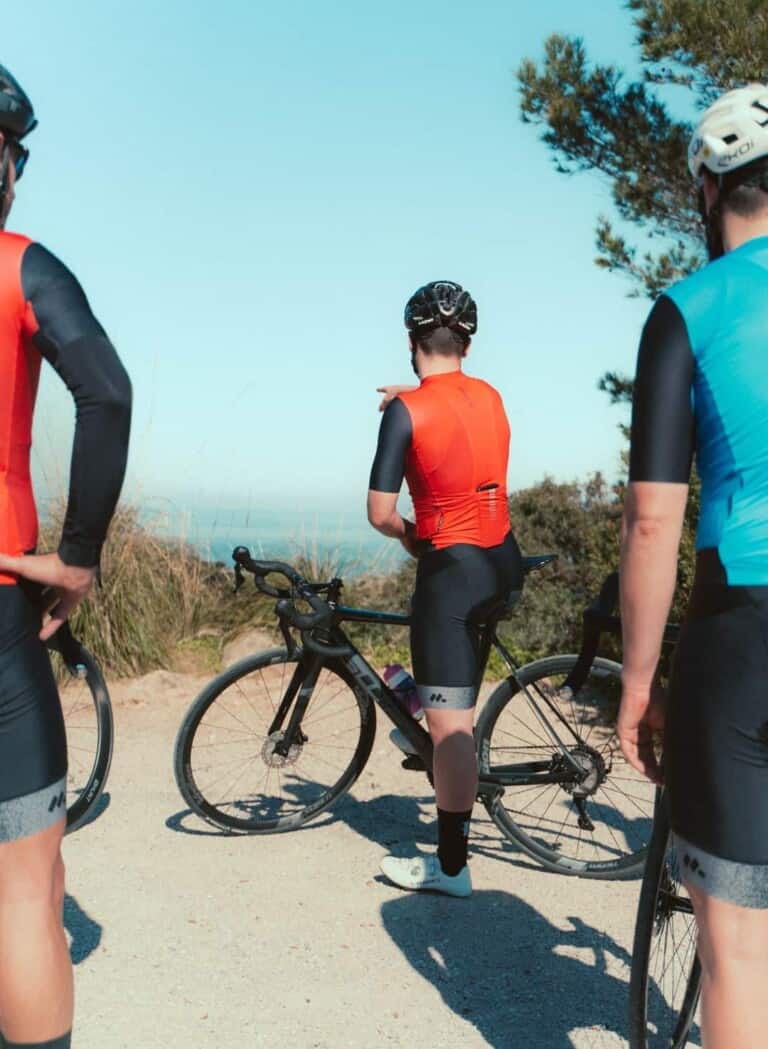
{"x":441,"y":304}
{"x":17,"y":116}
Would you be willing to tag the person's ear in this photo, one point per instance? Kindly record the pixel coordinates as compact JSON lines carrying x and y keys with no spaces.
{"x":711,"y":190}
{"x":465,"y":351}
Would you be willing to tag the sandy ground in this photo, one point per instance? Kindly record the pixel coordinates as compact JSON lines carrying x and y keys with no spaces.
{"x":183,"y":937}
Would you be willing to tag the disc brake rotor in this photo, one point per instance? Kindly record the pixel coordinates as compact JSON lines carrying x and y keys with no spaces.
{"x":272,"y":758}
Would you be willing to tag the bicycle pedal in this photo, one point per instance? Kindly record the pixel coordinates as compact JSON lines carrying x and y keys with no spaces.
{"x":414,"y":763}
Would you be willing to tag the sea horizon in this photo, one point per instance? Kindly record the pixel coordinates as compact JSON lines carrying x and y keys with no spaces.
{"x":342,"y":537}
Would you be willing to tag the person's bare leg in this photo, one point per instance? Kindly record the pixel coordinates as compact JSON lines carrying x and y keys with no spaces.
{"x":733,"y":948}
{"x":455,"y":771}
{"x":36,"y":984}
{"x":455,"y":760}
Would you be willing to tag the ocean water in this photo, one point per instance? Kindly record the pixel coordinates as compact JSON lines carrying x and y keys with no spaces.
{"x":342,"y":538}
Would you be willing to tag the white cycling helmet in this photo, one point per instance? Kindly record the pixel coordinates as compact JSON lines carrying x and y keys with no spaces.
{"x":732,"y":132}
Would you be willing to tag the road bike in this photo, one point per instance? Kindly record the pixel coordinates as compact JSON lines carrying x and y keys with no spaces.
{"x":275,"y":739}
{"x":88,"y":719}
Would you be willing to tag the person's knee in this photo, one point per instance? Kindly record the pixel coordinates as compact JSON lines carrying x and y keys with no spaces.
{"x":32,"y":871}
{"x":729,"y":934}
{"x":456,"y":725}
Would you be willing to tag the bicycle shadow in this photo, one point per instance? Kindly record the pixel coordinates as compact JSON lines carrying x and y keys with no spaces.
{"x":393,"y":821}
{"x":500,"y":984}
{"x":397,"y":823}
{"x":84,"y":931}
{"x":185,"y":821}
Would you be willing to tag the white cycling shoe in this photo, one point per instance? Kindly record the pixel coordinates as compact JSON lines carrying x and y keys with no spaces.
{"x":425,"y":872}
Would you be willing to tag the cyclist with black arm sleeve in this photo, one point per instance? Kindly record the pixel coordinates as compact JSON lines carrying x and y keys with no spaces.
{"x":449,"y":437}
{"x":44,"y":315}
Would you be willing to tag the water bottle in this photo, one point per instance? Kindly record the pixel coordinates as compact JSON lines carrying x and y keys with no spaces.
{"x":404,"y":687}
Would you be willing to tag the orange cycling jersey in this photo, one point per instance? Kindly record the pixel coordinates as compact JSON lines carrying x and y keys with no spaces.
{"x":44,"y":313}
{"x":19,"y":375}
{"x":450,"y":439}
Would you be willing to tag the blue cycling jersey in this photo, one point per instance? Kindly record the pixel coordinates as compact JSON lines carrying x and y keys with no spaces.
{"x":702,"y":384}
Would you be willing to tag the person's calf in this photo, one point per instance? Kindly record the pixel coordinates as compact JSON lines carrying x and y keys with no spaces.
{"x":733,"y":948}
{"x":35,"y":967}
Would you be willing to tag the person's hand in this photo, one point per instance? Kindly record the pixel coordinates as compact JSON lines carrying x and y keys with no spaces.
{"x":390,"y":392}
{"x":68,"y":585}
{"x":639,"y":725}
{"x":412,"y":544}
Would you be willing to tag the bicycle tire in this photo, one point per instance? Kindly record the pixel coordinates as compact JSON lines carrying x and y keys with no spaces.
{"x":87,"y":708}
{"x":653,"y":917}
{"x":363,"y":718}
{"x":612,"y":858}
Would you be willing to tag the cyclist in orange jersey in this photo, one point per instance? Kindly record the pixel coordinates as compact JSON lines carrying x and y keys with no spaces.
{"x":449,"y":438}
{"x":43,"y":314}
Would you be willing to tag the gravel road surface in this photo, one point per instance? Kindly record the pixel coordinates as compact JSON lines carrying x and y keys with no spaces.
{"x":185,"y":938}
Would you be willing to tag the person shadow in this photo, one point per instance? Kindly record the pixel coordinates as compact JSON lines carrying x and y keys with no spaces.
{"x":85,"y":933}
{"x":517,"y":978}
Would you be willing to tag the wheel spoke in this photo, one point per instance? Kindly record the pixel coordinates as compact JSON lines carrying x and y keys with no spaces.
{"x":510,"y":733}
{"x":245,"y":779}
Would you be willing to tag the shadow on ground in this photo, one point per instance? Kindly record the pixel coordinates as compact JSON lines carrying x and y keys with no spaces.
{"x":530,"y":983}
{"x":98,"y":810}
{"x":398,"y":823}
{"x":392,"y":821}
{"x":85,"y":932}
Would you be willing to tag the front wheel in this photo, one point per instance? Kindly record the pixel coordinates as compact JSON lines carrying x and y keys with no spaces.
{"x":665,"y":982}
{"x":229,"y":763}
{"x":593,"y":824}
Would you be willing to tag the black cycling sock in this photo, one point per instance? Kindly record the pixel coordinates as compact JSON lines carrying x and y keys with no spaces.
{"x":55,"y":1043}
{"x":453,"y":835}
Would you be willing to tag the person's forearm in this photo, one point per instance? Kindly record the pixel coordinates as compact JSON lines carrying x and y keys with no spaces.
{"x":102,"y":392}
{"x":648,"y":576}
{"x":394,"y":527}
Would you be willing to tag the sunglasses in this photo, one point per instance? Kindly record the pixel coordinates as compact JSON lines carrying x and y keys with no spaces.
{"x":19,"y":156}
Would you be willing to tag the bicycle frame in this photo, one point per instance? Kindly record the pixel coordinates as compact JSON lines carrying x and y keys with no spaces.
{"x":370,"y":683}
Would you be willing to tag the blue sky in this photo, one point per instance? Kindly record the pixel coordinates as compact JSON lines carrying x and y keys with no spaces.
{"x":250,"y":191}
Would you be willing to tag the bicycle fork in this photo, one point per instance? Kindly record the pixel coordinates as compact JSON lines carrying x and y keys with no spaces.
{"x":300,"y":689}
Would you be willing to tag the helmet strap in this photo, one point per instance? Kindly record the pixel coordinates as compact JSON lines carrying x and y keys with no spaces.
{"x":4,"y":183}
{"x":713,"y":225}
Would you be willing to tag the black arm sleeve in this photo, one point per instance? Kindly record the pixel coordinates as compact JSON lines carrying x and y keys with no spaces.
{"x":73,"y":341}
{"x":662,"y":410}
{"x":395,"y":435}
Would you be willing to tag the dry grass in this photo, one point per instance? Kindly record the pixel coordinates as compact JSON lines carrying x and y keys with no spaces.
{"x":162,"y":605}
{"x":151,"y":596}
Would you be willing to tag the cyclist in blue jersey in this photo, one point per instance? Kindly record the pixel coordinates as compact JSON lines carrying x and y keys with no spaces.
{"x":702,"y":388}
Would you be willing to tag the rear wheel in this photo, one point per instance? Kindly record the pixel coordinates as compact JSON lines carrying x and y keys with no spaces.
{"x":665,"y":982}
{"x":90,"y":733}
{"x":231,"y":770}
{"x":595,"y":825}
